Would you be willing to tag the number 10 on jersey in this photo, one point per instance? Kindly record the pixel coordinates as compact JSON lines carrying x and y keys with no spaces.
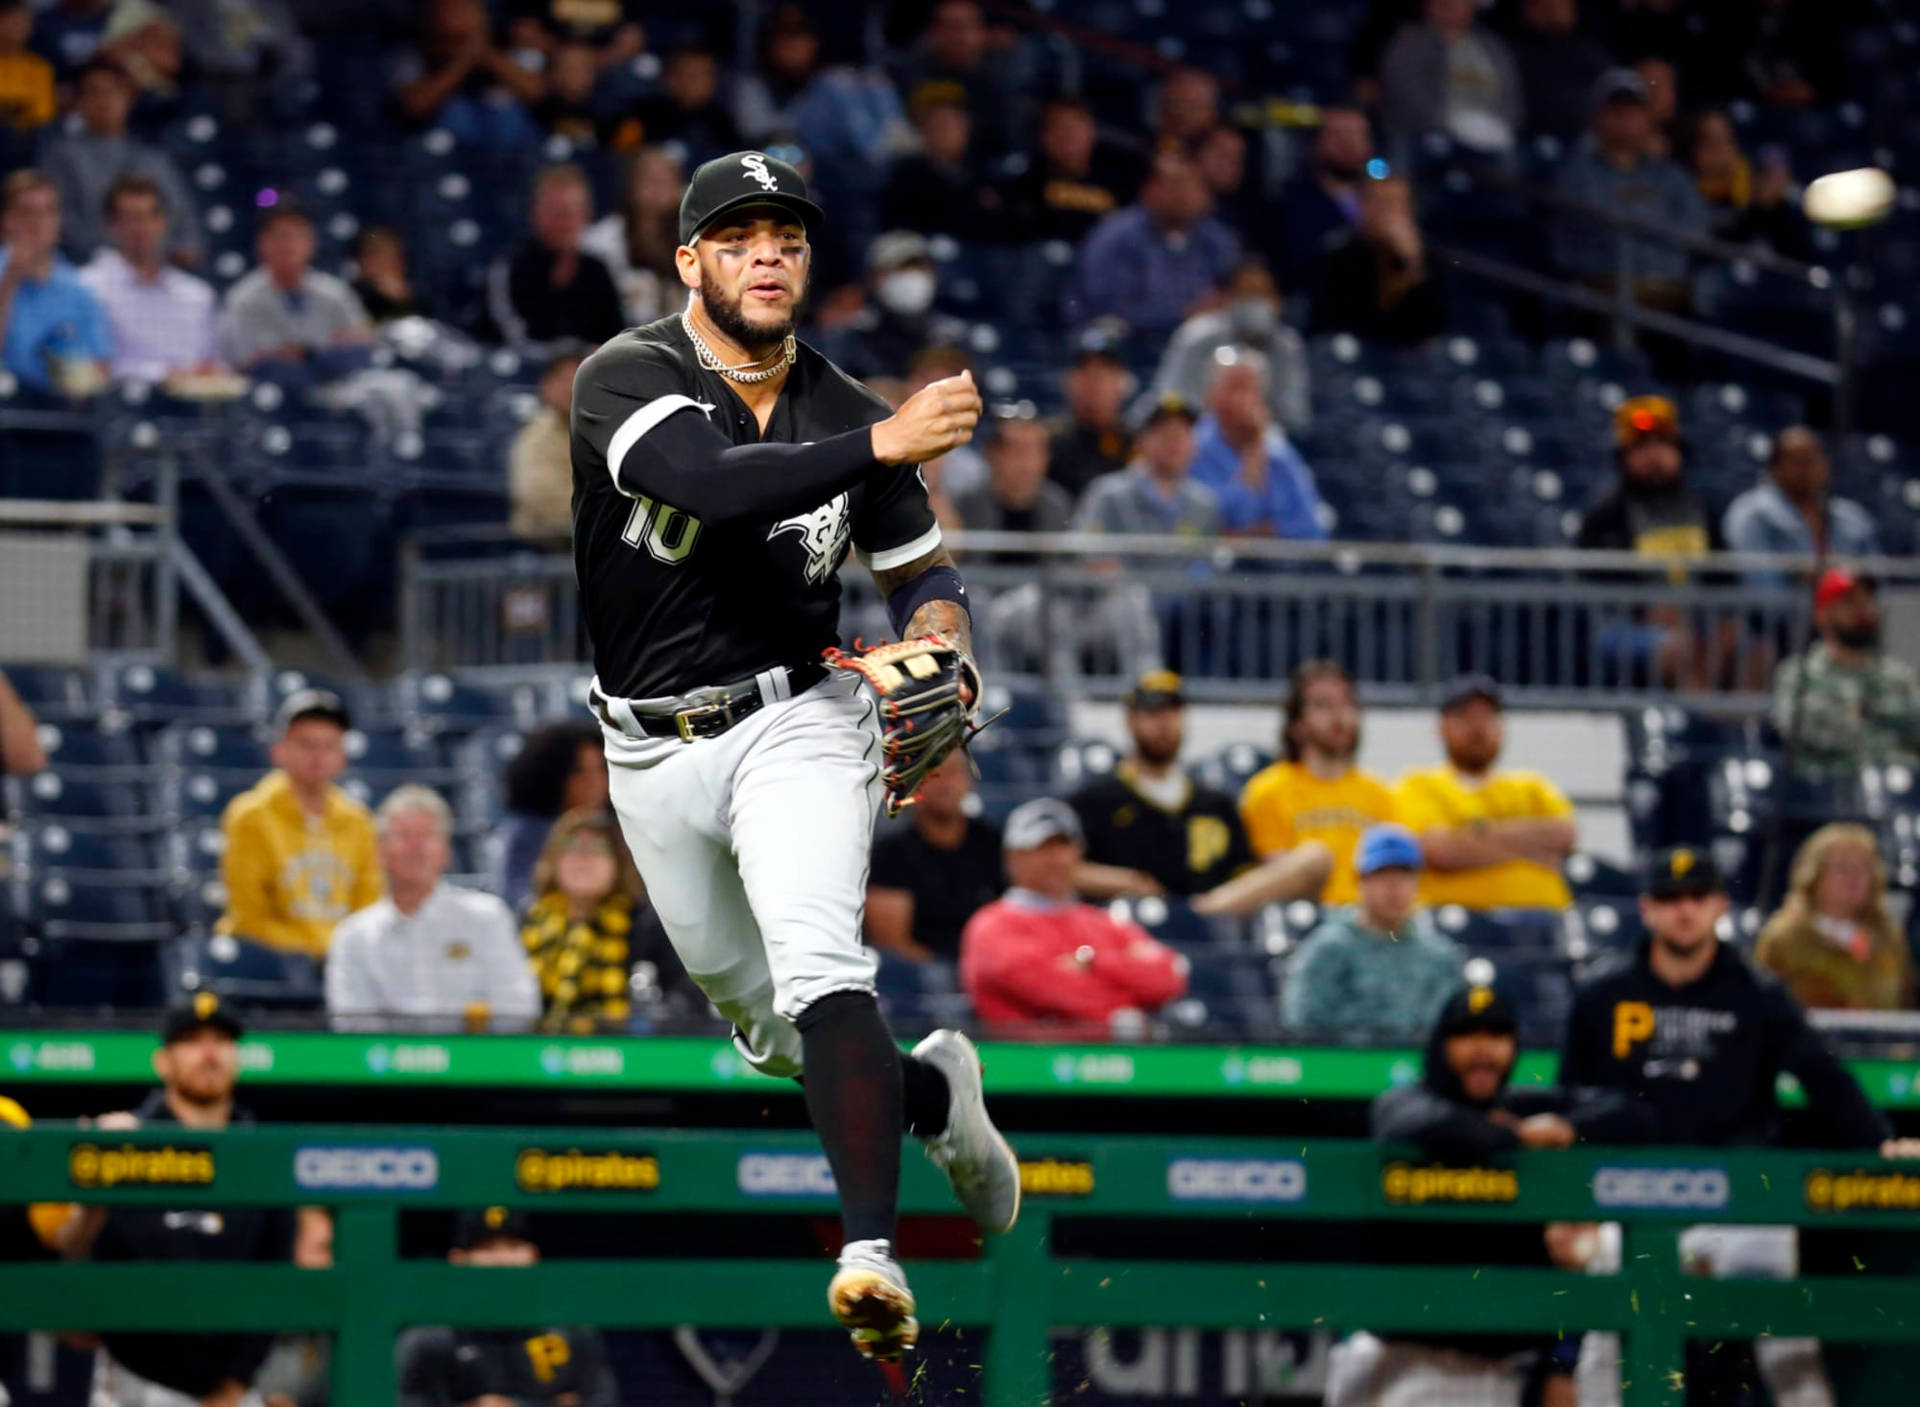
{"x":668,"y":533}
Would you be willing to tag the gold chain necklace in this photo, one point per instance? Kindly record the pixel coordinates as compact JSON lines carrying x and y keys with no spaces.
{"x":711,"y":360}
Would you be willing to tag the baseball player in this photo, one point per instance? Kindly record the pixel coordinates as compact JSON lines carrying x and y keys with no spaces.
{"x":720,"y":471}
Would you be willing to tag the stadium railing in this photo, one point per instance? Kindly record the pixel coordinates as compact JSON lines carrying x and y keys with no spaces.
{"x":104,"y":580}
{"x":1558,"y":627}
{"x":1015,"y":1292}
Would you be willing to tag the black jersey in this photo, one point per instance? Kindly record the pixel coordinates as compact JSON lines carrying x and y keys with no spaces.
{"x":705,"y":551}
{"x":1706,"y":1058}
{"x":1189,"y":850}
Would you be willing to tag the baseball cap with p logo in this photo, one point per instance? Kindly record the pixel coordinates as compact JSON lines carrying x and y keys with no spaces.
{"x":1683,"y":870}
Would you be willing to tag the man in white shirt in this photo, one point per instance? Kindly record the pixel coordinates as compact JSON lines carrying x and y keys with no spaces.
{"x":161,"y":318}
{"x":429,"y":954}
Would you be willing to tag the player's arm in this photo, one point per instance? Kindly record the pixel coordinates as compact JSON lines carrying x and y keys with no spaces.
{"x":1832,"y":1091}
{"x":927,"y":597}
{"x":657,"y":442}
{"x":890,"y":923}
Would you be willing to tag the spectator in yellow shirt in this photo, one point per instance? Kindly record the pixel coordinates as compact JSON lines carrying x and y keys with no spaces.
{"x":26,"y":79}
{"x":1492,"y":839}
{"x":1315,"y":799}
{"x":300,"y":853}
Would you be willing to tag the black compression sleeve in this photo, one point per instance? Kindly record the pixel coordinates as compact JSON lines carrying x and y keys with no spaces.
{"x":684,"y":461}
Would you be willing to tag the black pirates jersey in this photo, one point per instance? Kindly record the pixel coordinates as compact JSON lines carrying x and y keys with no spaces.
{"x":707,"y":552}
{"x":448,"y":1367}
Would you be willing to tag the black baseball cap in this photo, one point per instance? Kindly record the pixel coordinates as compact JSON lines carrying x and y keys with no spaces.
{"x":1469,"y":687}
{"x":310,"y":703}
{"x":1680,"y":870}
{"x":201,"y":1011}
{"x":471,"y":1229}
{"x":744,"y":178}
{"x":1099,"y":340}
{"x":1478,"y":1009}
{"x":1157,"y":688}
{"x":1155,"y":405}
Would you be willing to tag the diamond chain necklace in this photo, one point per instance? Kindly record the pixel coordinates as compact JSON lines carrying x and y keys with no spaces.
{"x":711,"y":361}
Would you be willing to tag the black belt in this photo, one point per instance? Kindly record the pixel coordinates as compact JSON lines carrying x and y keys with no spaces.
{"x":727,"y":705}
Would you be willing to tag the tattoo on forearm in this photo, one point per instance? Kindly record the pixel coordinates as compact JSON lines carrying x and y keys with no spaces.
{"x":946,"y":618}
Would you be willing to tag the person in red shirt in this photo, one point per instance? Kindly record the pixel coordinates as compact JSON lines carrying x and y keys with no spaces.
{"x":1038,"y":953}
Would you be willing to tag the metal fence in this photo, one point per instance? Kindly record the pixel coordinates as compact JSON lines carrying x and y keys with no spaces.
{"x":1019,"y":1288}
{"x":1559,"y":627}
{"x":104,"y":579}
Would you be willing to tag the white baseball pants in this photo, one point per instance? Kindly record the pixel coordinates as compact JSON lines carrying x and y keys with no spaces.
{"x":754,"y":847}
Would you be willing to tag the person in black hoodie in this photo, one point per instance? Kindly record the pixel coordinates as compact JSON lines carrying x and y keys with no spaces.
{"x":1687,"y":1029}
{"x":561,"y":1365}
{"x":198,"y":1063}
{"x":1464,"y":1112}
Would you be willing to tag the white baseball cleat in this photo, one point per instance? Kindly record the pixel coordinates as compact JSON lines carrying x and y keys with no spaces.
{"x":869,"y":1295}
{"x":978,"y":1161}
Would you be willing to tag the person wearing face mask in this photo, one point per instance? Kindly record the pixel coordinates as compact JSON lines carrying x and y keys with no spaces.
{"x":1833,"y":943}
{"x":1250,"y":321}
{"x":1845,"y":704}
{"x":898,"y":321}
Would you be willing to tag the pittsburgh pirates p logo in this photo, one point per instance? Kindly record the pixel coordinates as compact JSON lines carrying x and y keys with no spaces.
{"x":756,"y":166}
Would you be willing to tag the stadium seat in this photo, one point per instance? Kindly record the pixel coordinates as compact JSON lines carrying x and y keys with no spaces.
{"x":1235,"y":991}
{"x":205,"y":793}
{"x":241,"y":750}
{"x":1500,"y":931}
{"x":154,"y":695}
{"x":1077,"y":762}
{"x":1590,"y":875}
{"x":1539,"y":986}
{"x":54,"y":692}
{"x":247,"y":974}
{"x":104,"y":977}
{"x":86,"y":906}
{"x":456,"y":706}
{"x":83,"y":749}
{"x":1604,"y":923}
{"x":81,"y":798}
{"x":1230,"y":769}
{"x":52,"y":847}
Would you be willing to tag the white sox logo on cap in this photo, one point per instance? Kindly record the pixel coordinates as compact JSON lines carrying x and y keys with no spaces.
{"x":756,"y":166}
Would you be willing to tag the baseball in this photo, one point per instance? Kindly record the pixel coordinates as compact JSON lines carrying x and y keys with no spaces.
{"x":1850,"y":200}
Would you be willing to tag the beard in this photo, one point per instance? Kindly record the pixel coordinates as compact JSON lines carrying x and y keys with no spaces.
{"x":1157,"y":753}
{"x":1859,"y":637}
{"x":727,"y":314}
{"x":1473,"y":759}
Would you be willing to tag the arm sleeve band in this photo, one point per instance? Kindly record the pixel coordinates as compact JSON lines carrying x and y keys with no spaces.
{"x":941,"y":583}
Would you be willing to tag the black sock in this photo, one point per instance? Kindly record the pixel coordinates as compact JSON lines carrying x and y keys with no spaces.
{"x":854,"y":1097}
{"x":928,"y":1098}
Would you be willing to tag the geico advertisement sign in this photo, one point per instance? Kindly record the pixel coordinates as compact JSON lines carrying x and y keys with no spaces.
{"x":1236,"y":1179}
{"x":784,"y":1175}
{"x":1677,"y":1189}
{"x":354,"y":1168}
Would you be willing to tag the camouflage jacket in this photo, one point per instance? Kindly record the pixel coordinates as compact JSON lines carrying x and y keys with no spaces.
{"x":1848,"y":717}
